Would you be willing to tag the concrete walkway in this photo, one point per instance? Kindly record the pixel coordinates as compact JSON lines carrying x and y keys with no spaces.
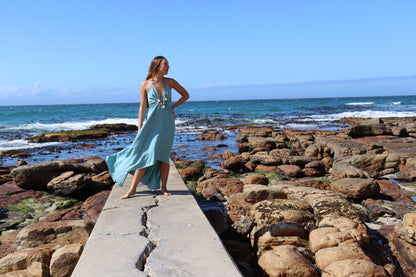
{"x":151,"y":234}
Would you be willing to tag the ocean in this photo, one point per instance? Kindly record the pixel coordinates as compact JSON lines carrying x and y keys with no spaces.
{"x":20,"y":122}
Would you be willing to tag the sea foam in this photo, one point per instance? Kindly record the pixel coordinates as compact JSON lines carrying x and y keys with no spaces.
{"x":66,"y":126}
{"x":19,"y":144}
{"x":359,"y":103}
{"x":366,"y":114}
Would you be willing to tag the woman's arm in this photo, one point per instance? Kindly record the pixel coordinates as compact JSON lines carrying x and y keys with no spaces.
{"x":181,"y":91}
{"x":143,"y":104}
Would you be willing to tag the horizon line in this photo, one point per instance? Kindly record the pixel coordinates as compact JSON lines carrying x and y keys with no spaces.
{"x":225,"y":100}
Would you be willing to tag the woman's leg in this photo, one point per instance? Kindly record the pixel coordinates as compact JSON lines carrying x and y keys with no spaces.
{"x":138,"y":175}
{"x":164,"y":172}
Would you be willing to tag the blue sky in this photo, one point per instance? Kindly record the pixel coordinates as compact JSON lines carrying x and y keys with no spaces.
{"x":99,"y":51}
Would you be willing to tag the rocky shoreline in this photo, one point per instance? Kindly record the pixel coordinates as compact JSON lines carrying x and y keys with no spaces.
{"x":319,"y":203}
{"x":297,"y":203}
{"x":47,"y":211}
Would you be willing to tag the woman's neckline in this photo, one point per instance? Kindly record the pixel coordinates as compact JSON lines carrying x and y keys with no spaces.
{"x":164,"y":87}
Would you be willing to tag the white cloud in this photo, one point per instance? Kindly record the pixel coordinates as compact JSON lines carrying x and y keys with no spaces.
{"x":40,"y":93}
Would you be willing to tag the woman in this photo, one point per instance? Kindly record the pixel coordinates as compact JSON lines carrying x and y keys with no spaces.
{"x":148,"y":156}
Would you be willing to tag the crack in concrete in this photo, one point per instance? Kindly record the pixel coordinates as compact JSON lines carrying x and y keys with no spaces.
{"x":152,"y":244}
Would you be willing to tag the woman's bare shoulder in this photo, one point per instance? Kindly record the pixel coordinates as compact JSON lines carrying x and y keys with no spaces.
{"x":171,"y":82}
{"x":146,"y":84}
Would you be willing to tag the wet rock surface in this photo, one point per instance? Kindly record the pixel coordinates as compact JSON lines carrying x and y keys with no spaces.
{"x":94,"y":132}
{"x":43,"y":219}
{"x":322,"y":203}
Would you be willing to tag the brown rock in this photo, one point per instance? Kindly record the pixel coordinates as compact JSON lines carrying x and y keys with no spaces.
{"x":327,"y":256}
{"x":256,"y":179}
{"x":405,"y":254}
{"x":286,"y":260}
{"x":396,"y":202}
{"x":211,"y":134}
{"x":28,"y":262}
{"x":225,"y":184}
{"x":189,"y":173}
{"x":407,"y":230}
{"x":290,"y":170}
{"x":265,"y":159}
{"x":7,"y":243}
{"x":209,"y":191}
{"x":300,"y":161}
{"x":237,"y":189}
{"x":96,"y":164}
{"x":85,"y":146}
{"x":354,"y":267}
{"x":250,"y":166}
{"x":103,"y":180}
{"x":237,"y":207}
{"x":182,"y":164}
{"x":256,"y":193}
{"x":209,"y":148}
{"x":4,"y":170}
{"x":256,"y":146}
{"x":265,"y":168}
{"x":368,"y":130}
{"x":20,"y":163}
{"x":356,"y":187}
{"x":5,"y":178}
{"x":399,"y":131}
{"x":284,"y":153}
{"x":68,"y":183}
{"x":64,"y":260}
{"x":233,"y":163}
{"x":93,"y":206}
{"x":14,"y":153}
{"x":322,"y":184}
{"x":376,"y":165}
{"x":344,"y":169}
{"x":312,"y":150}
{"x":325,"y":237}
{"x":245,"y":157}
{"x":227,"y":155}
{"x":314,"y":169}
{"x":59,"y":232}
{"x":324,"y":203}
{"x":269,"y":212}
{"x":283,"y":228}
{"x":116,"y":127}
{"x":408,"y":169}
{"x":344,"y":224}
{"x":37,"y":176}
{"x":328,"y":162}
{"x":341,"y":147}
{"x":10,"y":193}
{"x":256,"y":132}
{"x":67,"y":214}
{"x":73,"y":135}
{"x":267,"y":241}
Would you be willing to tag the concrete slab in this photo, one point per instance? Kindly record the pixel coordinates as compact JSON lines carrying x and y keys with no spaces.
{"x":125,"y":220}
{"x":188,"y":251}
{"x":187,"y":212}
{"x":142,"y":198}
{"x":112,"y":255}
{"x":162,"y":235}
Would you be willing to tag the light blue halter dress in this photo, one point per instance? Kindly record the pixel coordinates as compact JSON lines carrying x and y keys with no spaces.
{"x":152,"y":145}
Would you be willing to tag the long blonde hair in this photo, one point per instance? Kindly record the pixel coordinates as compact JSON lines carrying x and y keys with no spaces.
{"x":154,"y":66}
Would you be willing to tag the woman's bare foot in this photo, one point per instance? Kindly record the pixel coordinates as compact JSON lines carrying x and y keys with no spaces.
{"x":128,"y":195}
{"x":166,"y":193}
